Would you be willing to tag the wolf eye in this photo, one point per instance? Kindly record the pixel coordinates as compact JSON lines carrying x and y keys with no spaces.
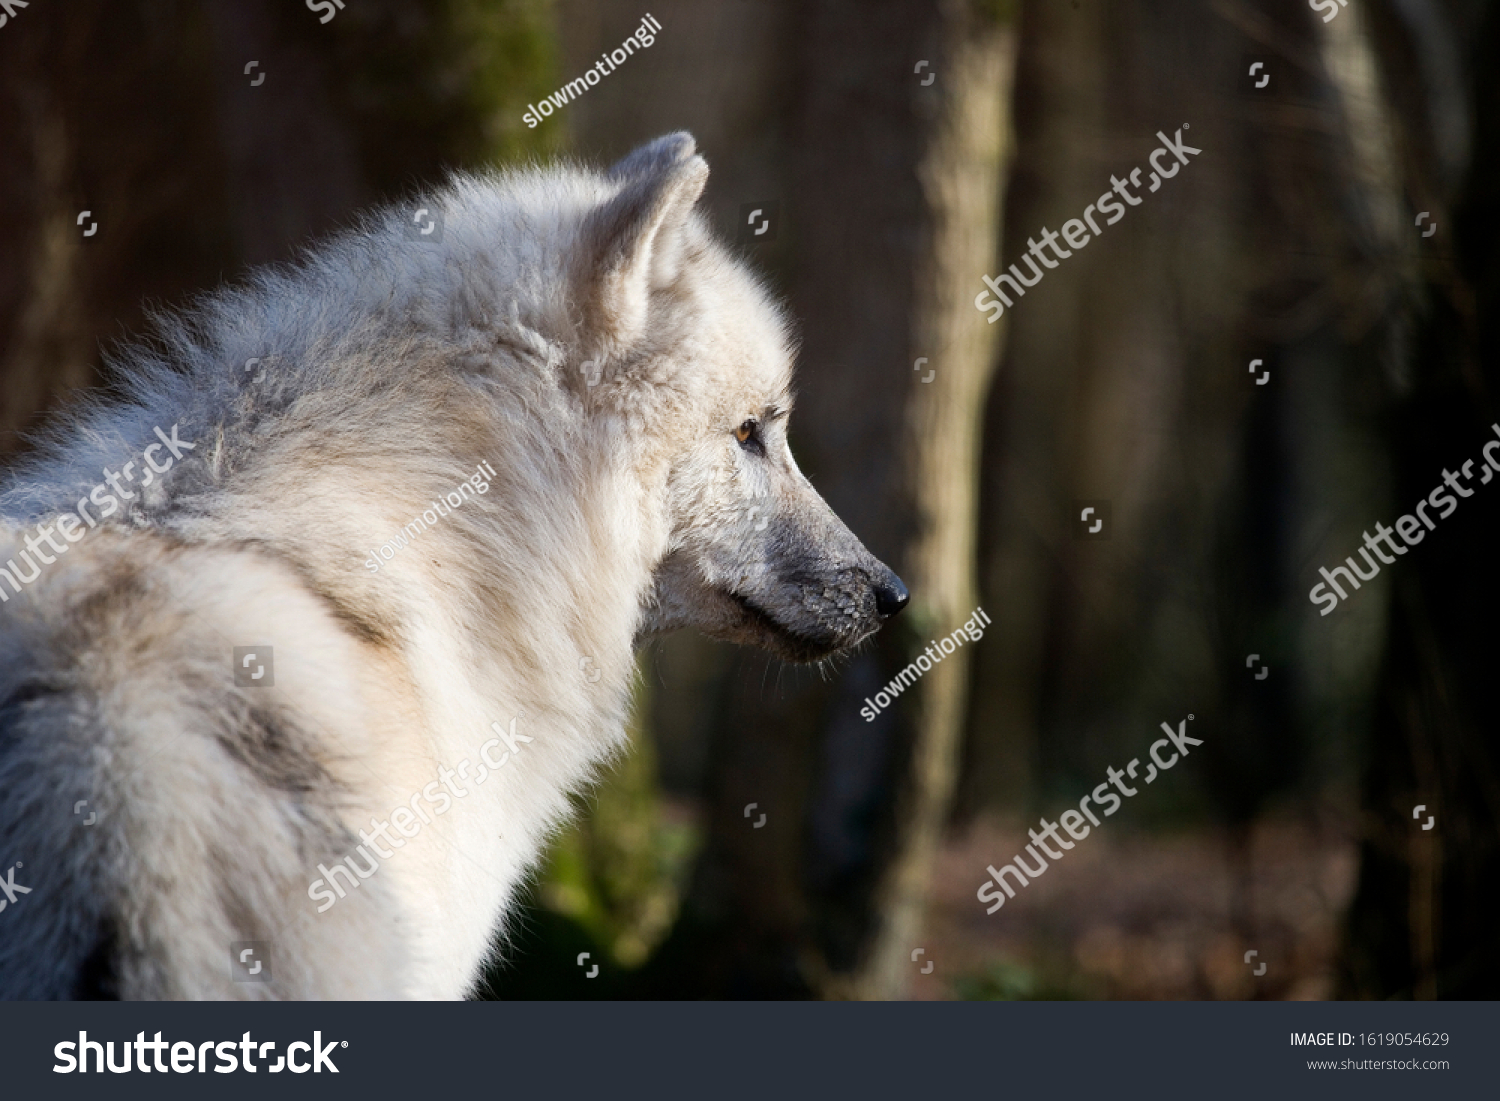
{"x":745,"y":431}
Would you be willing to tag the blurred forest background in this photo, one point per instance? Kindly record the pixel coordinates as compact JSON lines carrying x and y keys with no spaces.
{"x":1294,"y":238}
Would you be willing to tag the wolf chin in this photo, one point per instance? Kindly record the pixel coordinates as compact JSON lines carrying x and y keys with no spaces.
{"x":626,"y":380}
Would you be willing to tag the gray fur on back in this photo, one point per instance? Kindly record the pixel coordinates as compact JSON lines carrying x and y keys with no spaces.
{"x":583,"y":335}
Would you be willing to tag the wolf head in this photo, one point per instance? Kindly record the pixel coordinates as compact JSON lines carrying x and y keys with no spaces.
{"x":683,"y":345}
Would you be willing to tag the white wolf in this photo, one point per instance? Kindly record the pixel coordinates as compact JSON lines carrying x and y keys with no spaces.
{"x":627,"y":382}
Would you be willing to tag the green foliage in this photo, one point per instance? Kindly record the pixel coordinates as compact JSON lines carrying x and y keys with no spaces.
{"x":1003,"y":13}
{"x":1004,"y":981}
{"x":1001,"y":981}
{"x":441,"y":85}
{"x":618,"y":871}
{"x":508,"y":50}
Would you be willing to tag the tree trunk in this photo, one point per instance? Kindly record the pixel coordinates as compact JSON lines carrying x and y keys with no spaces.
{"x":962,"y":178}
{"x":891,"y":215}
{"x":1421,"y":924}
{"x":190,"y":168}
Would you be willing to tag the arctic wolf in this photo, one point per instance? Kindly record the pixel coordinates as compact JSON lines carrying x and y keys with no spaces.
{"x":236,"y":761}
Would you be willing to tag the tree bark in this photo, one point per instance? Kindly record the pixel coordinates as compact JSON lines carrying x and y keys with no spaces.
{"x":891,"y":216}
{"x":145,"y":116}
{"x":962,"y":174}
{"x":1421,"y":923}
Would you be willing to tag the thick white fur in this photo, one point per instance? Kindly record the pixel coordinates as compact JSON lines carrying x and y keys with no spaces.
{"x":583,"y":334}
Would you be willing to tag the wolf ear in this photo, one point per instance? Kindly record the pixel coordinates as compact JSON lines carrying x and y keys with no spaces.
{"x":634,"y":243}
{"x":655,"y":157}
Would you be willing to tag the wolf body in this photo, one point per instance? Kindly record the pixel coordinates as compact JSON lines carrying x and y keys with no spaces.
{"x":212,"y":708}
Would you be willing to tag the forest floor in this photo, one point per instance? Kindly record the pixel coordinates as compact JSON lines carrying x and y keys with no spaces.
{"x":1143,"y":916}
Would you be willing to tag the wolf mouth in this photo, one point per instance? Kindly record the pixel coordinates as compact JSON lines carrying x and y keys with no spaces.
{"x":791,"y":643}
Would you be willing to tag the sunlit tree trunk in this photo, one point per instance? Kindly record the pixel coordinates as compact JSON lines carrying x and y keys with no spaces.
{"x":962,"y":175}
{"x":891,"y":203}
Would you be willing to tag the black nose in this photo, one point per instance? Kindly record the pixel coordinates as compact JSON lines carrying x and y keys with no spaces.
{"x":891,"y":596}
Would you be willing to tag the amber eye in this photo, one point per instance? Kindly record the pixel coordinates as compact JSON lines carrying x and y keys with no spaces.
{"x":745,"y":431}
